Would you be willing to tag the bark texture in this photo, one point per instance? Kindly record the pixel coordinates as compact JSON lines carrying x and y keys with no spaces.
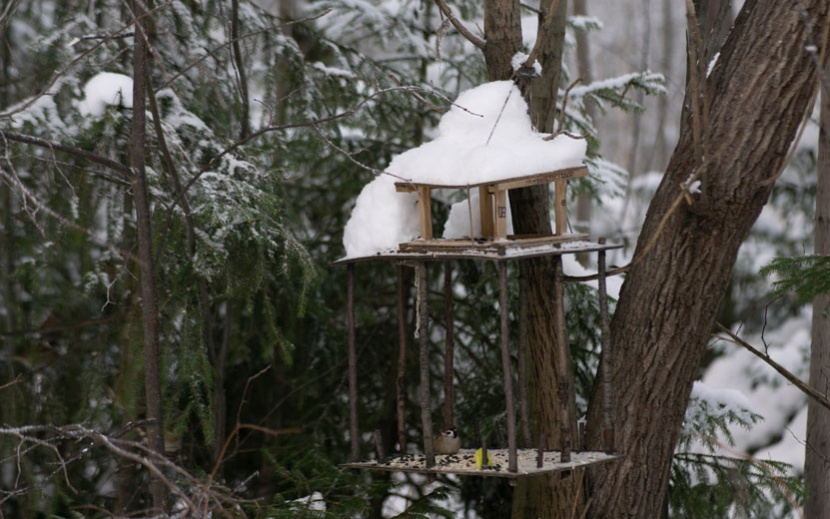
{"x":758,"y":91}
{"x":817,"y":459}
{"x":144,"y":232}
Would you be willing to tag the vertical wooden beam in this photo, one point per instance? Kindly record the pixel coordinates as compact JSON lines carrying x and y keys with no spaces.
{"x":425,"y":211}
{"x":423,"y":338}
{"x":449,"y":347}
{"x":563,"y":358}
{"x":607,"y":355}
{"x":560,"y":210}
{"x":485,"y":204}
{"x":353,"y":428}
{"x":504,"y":310}
{"x":500,"y":201}
{"x":401,"y":378}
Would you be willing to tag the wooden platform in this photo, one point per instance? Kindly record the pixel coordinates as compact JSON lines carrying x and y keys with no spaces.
{"x":504,"y":250}
{"x":464,"y":463}
{"x":522,"y":242}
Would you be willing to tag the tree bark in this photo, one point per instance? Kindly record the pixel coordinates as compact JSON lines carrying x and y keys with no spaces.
{"x":144,"y":231}
{"x":817,"y":466}
{"x":760,"y":89}
{"x":549,"y":496}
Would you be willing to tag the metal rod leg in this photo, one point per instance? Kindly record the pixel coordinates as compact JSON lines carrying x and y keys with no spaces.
{"x":607,"y":356}
{"x":401,"y":378}
{"x":512,"y":460}
{"x":423,"y":338}
{"x":353,"y":427}
{"x":449,"y":347}
{"x":563,"y":361}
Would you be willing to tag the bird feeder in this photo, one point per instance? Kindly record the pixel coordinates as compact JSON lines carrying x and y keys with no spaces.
{"x":497,"y":246}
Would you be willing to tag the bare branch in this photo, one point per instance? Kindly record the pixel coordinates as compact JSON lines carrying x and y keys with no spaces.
{"x":804,"y":387}
{"x":542,"y":36}
{"x":77,"y":152}
{"x":476,"y":40}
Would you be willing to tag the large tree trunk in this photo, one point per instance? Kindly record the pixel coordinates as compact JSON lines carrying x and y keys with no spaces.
{"x":758,"y":92}
{"x":817,"y":455}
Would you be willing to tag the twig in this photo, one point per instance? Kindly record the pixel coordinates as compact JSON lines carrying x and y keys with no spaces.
{"x":460,"y":27}
{"x":790,"y":376}
{"x":542,"y":37}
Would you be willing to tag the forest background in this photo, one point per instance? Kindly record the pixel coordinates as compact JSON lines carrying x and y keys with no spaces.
{"x":265,"y":121}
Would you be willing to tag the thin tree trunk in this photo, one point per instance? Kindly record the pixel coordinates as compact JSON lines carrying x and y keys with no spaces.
{"x":584,"y":201}
{"x":550,"y":496}
{"x":817,"y":464}
{"x":144,"y":231}
{"x":686,"y":253}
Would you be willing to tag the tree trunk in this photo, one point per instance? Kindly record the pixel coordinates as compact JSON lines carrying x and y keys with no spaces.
{"x":817,"y":466}
{"x":550,"y":496}
{"x":144,"y":232}
{"x":759,"y":90}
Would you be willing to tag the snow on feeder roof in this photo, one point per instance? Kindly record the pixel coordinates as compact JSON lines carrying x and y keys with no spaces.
{"x":485,"y":137}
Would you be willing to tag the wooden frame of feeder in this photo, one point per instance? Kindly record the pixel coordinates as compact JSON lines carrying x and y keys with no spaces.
{"x":493,"y":207}
{"x":546,"y":461}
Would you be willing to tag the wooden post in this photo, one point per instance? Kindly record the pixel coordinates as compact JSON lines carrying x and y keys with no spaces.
{"x":485,"y":204}
{"x":401,"y":378}
{"x":449,"y":347}
{"x":560,"y":206}
{"x":353,"y":428}
{"x":563,"y":358}
{"x":425,"y":211}
{"x":512,"y":459}
{"x":607,"y":355}
{"x":423,"y":338}
{"x":500,"y":197}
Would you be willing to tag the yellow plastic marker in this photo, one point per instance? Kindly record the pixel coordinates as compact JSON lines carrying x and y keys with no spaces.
{"x":479,"y":455}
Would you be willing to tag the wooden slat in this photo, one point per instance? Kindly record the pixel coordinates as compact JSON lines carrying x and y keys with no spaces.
{"x":500,"y":216}
{"x":561,"y":207}
{"x":440,"y":245}
{"x":425,"y":211}
{"x":508,"y":183}
{"x":535,"y":180}
{"x":485,"y":203}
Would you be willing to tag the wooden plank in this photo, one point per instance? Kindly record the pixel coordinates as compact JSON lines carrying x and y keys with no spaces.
{"x":485,"y":204}
{"x":439,"y":245}
{"x":500,"y":202}
{"x":561,"y":206}
{"x":535,"y":180}
{"x":425,"y":211}
{"x":507,"y":183}
{"x":464,"y":463}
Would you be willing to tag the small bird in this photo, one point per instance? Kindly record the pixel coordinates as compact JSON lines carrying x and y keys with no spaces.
{"x":447,"y":442}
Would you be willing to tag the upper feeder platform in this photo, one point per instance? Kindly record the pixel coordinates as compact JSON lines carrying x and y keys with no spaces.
{"x":493,"y":205}
{"x":464,"y":463}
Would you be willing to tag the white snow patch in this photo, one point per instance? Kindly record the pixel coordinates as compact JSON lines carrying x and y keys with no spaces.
{"x":486,"y":136}
{"x":106,"y":89}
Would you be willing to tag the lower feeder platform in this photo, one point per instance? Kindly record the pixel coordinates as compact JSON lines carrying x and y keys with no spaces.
{"x":464,"y":463}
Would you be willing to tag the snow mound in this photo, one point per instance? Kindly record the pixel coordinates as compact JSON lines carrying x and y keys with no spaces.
{"x":486,"y":136}
{"x":106,"y":89}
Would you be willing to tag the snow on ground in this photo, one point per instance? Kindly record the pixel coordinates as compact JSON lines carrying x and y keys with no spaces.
{"x":485,"y":136}
{"x":106,"y":89}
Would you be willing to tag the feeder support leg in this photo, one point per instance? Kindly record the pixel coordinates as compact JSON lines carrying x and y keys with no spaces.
{"x":423,"y":339}
{"x":353,"y":428}
{"x":504,"y":310}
